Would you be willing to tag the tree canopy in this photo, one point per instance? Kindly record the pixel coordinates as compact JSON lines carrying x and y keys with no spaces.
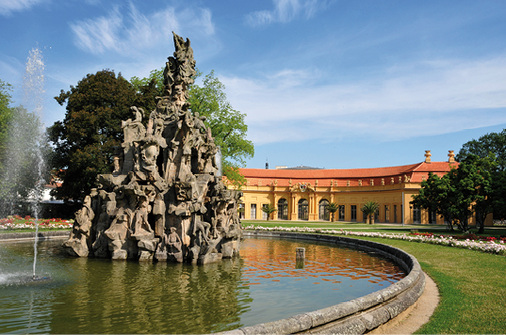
{"x":86,"y":140}
{"x":489,"y":143}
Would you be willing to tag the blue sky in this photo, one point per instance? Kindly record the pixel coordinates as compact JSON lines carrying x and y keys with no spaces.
{"x":330,"y":84}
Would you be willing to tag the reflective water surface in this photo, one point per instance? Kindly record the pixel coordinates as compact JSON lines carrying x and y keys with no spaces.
{"x":104,"y":296}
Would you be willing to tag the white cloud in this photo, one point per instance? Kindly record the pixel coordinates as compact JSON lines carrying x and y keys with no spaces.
{"x":7,"y":7}
{"x":133,"y":33}
{"x":285,"y":11}
{"x":422,"y":99}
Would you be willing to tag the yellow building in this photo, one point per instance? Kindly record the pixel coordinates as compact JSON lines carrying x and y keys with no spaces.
{"x":303,"y":194}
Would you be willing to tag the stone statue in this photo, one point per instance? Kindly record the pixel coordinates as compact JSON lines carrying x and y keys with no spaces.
{"x":164,"y":200}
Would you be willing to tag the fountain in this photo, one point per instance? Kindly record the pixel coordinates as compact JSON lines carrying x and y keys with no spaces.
{"x":34,"y":88}
{"x":165,"y":199}
{"x":22,"y":176}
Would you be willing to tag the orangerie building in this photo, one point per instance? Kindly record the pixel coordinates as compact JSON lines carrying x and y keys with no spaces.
{"x":303,"y":194}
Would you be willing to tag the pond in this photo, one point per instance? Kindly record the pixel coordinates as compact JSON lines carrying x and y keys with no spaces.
{"x":86,"y":295}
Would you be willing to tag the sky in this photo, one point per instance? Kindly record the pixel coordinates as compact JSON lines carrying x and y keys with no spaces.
{"x":323,"y":83}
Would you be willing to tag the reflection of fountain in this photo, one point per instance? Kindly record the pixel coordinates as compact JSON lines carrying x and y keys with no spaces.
{"x":165,"y":199}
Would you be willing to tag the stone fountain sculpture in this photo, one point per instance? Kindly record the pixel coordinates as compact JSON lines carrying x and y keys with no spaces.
{"x":165,"y":199}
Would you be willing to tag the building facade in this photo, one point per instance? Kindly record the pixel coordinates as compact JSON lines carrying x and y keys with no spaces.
{"x":303,"y":194}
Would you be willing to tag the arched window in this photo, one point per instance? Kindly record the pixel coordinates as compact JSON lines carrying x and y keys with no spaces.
{"x":303,"y":209}
{"x":324,"y":214}
{"x":282,"y":209}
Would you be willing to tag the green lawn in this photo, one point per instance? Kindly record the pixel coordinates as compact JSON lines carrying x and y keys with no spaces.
{"x":471,"y":283}
{"x":377,"y":227}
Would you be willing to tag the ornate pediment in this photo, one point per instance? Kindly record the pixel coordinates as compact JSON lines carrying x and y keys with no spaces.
{"x":302,"y":187}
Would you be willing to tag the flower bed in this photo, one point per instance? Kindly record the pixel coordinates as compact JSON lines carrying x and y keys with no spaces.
{"x":487,"y":244}
{"x":16,"y":222}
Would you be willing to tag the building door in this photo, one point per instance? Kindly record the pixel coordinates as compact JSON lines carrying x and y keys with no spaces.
{"x":303,"y":209}
{"x":282,"y":209}
{"x":324,"y":214}
{"x":341,"y":213}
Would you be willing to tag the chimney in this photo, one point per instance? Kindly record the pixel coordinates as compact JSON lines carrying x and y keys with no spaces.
{"x":427,"y":156}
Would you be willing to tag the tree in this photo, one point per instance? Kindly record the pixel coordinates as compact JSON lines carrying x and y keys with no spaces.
{"x":269,"y":209}
{"x":332,"y":208}
{"x":434,"y":196}
{"x":460,"y":193}
{"x":474,"y":182}
{"x":369,"y":209}
{"x":492,"y":143}
{"x":86,"y":140}
{"x":227,"y":124}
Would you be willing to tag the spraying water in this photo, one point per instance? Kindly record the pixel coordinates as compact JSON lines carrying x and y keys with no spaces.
{"x":33,"y":85}
{"x":218,"y":162}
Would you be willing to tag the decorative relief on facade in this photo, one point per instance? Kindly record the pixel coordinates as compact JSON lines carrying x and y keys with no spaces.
{"x":302,"y":187}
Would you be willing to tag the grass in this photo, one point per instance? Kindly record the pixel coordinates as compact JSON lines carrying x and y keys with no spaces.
{"x":396,"y":228}
{"x":471,"y":283}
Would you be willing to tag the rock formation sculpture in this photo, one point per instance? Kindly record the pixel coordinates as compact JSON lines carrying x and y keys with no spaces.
{"x":165,"y":199}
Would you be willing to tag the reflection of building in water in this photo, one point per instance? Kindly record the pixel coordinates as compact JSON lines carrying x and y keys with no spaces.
{"x":303,"y":193}
{"x":323,"y":263}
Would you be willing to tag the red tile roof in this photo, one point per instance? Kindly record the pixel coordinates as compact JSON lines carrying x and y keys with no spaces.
{"x":324,"y":177}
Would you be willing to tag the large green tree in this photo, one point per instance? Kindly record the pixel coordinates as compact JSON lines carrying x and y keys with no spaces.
{"x":227,"y":124}
{"x":487,"y":145}
{"x":86,"y":140}
{"x":460,"y":193}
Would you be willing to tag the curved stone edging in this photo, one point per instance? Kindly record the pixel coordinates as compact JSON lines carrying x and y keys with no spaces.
{"x":42,"y":235}
{"x":356,"y":316}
